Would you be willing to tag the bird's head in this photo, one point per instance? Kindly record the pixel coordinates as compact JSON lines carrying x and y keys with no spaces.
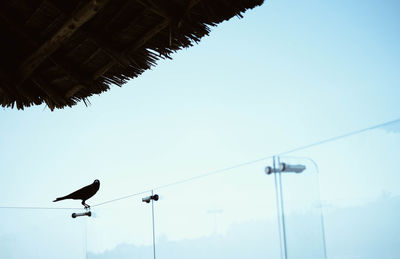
{"x":96,"y":182}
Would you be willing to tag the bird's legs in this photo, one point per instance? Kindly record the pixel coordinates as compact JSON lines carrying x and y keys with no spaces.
{"x":86,"y":206}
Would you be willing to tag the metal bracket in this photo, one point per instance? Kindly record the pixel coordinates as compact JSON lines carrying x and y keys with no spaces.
{"x":147,"y":199}
{"x":285,"y":168}
{"x":86,"y":213}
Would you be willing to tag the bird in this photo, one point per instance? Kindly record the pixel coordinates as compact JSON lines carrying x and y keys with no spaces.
{"x":83,"y":194}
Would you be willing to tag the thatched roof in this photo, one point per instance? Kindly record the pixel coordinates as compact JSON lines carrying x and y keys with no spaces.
{"x":62,"y":52}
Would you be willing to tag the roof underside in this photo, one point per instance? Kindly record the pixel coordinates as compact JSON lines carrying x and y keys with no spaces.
{"x":62,"y":52}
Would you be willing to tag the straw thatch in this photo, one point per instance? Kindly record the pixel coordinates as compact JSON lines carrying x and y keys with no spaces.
{"x":62,"y":52}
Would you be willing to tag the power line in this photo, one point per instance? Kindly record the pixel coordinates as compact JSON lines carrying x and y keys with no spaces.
{"x":36,"y":208}
{"x":256,"y":160}
{"x":184,"y":180}
{"x":214,"y":172}
{"x":121,"y":198}
{"x":339,"y":137}
{"x":211,"y":173}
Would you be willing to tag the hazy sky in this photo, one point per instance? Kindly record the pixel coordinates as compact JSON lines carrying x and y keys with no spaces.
{"x":288,"y":74}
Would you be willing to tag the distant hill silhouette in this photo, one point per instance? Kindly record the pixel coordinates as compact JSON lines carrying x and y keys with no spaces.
{"x":369,"y":231}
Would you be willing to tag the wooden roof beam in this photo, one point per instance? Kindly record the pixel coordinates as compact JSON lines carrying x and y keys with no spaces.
{"x":145,"y":38}
{"x":4,"y":84}
{"x":17,"y":29}
{"x":118,"y":56}
{"x":102,"y":44}
{"x":121,"y":9}
{"x":8,"y":88}
{"x":110,"y":51}
{"x":71,"y":92}
{"x":76,"y":20}
{"x":139,"y":43}
{"x":66,"y":68}
{"x":94,"y":53}
{"x":72,"y":73}
{"x":152,"y":7}
{"x":191,"y":4}
{"x":48,"y":90}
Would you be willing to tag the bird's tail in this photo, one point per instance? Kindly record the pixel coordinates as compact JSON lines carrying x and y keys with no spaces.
{"x":60,"y":199}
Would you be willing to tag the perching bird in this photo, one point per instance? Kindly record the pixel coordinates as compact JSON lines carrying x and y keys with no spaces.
{"x":83,"y":194}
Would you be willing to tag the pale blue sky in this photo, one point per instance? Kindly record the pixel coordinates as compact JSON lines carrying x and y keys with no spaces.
{"x":288,"y":74}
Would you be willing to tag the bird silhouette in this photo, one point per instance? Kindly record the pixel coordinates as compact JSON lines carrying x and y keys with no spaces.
{"x":82,"y":194}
